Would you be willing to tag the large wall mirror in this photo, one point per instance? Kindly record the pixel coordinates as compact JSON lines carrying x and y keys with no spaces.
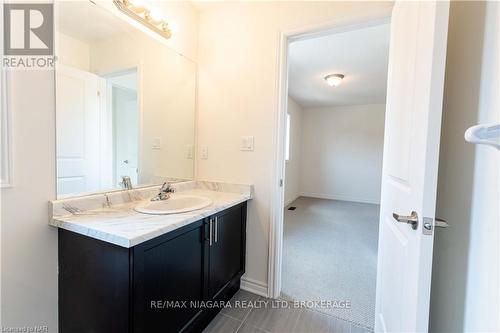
{"x":125,"y":104}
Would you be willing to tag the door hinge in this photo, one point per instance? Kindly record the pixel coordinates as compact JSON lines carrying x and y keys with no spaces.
{"x":281,"y":182}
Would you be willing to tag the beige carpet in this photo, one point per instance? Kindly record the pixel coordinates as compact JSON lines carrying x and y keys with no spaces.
{"x":330,"y":254}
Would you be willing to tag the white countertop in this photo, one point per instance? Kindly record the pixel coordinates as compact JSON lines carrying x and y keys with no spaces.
{"x":120,"y":224}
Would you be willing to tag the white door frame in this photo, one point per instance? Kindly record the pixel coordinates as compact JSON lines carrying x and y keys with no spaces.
{"x":373,"y":17}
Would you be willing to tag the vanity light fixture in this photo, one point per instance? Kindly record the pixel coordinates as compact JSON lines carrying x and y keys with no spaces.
{"x":143,"y":15}
{"x":333,"y":80}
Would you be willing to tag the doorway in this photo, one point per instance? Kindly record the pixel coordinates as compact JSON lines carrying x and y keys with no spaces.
{"x":122,"y":91}
{"x":333,"y":170}
{"x":411,"y":150}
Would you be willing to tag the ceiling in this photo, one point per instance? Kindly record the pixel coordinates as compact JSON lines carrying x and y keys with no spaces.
{"x":126,"y":79}
{"x":88,"y":22}
{"x":362,"y":55}
{"x":203,"y":5}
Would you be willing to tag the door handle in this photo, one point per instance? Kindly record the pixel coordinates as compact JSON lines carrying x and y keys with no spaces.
{"x":210,"y":232}
{"x":440,"y":223}
{"x":216,"y":229}
{"x":411,"y":219}
{"x":126,"y":161}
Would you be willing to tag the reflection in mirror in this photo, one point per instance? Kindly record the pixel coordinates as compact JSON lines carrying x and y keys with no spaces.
{"x":124,"y":112}
{"x":125,"y":104}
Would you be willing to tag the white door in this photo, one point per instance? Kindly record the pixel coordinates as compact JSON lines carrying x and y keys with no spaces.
{"x":409,"y":176}
{"x":78,"y":117}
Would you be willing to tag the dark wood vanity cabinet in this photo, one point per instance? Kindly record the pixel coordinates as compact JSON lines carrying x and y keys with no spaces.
{"x":167,"y":284}
{"x":226,"y":257}
{"x":168,"y":268}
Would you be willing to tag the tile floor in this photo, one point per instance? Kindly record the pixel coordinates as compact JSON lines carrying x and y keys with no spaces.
{"x":269,"y":319}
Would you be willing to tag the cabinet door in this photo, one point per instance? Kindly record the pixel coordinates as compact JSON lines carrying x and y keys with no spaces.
{"x":227,"y":252}
{"x":168,"y":269}
{"x":93,"y":285}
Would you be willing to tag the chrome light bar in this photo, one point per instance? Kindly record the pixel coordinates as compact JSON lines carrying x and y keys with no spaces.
{"x":143,"y":15}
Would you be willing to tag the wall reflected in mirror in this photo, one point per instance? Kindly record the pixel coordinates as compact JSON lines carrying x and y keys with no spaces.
{"x":125,"y":104}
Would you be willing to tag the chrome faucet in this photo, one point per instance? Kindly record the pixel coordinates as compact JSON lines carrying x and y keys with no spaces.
{"x":126,"y":182}
{"x":164,"y":193}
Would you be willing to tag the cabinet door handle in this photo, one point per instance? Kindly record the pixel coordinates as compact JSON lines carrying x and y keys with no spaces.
{"x":210,"y":233}
{"x":216,"y":229}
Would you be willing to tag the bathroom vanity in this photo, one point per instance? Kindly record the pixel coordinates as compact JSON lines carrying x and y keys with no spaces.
{"x":125,"y":111}
{"x":125,"y":271}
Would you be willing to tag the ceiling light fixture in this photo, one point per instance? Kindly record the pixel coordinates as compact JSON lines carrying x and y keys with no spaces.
{"x":147,"y":17}
{"x":334,"y":80}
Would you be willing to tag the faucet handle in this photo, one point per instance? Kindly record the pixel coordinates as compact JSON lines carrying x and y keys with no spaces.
{"x":164,"y":192}
{"x":166,"y":188}
{"x":126,"y":182}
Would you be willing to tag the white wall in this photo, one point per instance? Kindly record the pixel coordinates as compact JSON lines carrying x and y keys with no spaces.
{"x":182,"y":17}
{"x":292,"y":166}
{"x":28,"y":243}
{"x":466,"y":279}
{"x":342,"y":151}
{"x":237,"y":53}
{"x":72,"y":52}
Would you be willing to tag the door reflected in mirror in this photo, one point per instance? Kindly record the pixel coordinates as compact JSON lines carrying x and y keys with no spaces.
{"x":125,"y":115}
{"x":125,"y":104}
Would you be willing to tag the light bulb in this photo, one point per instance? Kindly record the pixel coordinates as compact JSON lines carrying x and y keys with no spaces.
{"x":155,"y":15}
{"x":333,"y":80}
{"x":173,"y":26}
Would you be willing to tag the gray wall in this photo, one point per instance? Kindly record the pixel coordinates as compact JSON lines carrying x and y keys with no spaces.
{"x":465,"y":278}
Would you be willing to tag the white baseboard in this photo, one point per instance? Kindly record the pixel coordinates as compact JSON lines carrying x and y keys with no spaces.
{"x":340,"y":197}
{"x":254,"y":286}
{"x":292,"y":200}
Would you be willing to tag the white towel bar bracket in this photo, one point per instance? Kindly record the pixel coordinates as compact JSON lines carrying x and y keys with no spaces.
{"x":487,"y":134}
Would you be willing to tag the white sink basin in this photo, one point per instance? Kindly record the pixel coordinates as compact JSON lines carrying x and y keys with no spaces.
{"x":177,"y":203}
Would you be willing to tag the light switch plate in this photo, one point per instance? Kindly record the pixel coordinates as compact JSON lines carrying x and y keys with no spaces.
{"x":190,"y":152}
{"x":156,"y":143}
{"x":204,"y":152}
{"x":247,"y":143}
